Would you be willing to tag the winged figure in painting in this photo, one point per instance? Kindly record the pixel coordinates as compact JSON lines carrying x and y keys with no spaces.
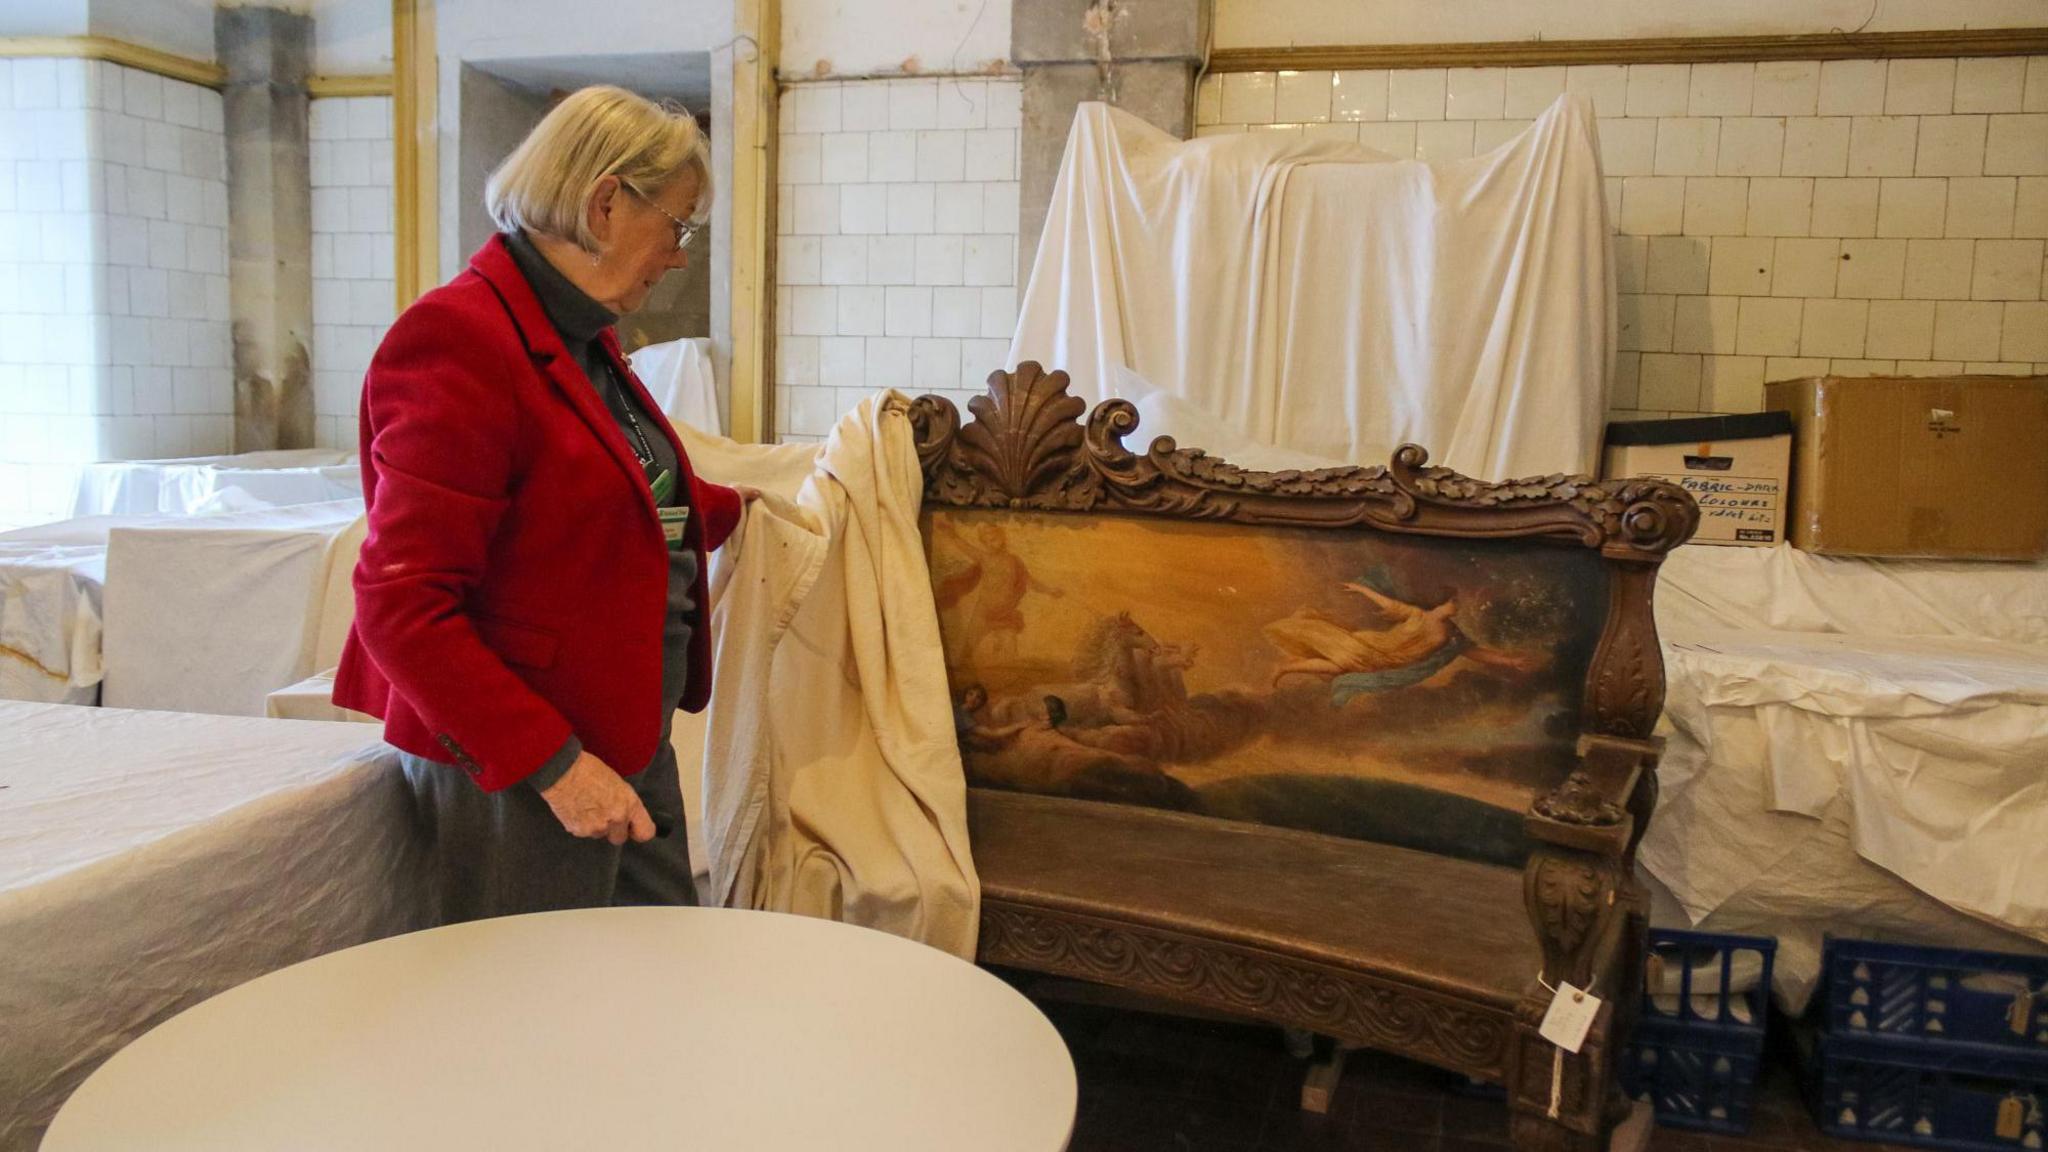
{"x":1413,"y":645}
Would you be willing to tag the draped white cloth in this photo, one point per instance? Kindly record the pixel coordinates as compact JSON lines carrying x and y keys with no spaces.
{"x":1854,"y":747}
{"x":151,"y":859}
{"x":51,"y":578}
{"x":1705,"y":589}
{"x":1932,"y":746}
{"x":202,"y":613}
{"x":226,"y":483}
{"x":679,"y":376}
{"x":213,"y":613}
{"x":1322,"y":297}
{"x":832,"y":782}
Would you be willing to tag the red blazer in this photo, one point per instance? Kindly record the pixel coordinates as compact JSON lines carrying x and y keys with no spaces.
{"x":512,"y":587}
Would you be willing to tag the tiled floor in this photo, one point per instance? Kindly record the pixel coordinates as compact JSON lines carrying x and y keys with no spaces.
{"x":1158,"y":1084}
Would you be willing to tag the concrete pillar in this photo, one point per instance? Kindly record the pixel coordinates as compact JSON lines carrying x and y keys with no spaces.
{"x":267,"y":54}
{"x":1138,"y":55}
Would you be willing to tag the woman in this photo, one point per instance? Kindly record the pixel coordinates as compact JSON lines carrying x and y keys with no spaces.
{"x":525,"y":626}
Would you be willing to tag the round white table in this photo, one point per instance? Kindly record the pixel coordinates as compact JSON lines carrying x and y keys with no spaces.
{"x":616,"y":1028}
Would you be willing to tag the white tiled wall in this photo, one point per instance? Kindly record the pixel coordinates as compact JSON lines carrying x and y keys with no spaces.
{"x":896,"y":242}
{"x":353,"y":292}
{"x":114,"y":339}
{"x":1773,"y":220}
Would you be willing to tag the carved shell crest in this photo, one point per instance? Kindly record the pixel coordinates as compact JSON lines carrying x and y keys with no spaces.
{"x":1027,"y":447}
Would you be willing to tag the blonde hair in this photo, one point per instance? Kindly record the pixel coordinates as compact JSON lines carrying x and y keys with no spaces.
{"x":545,"y":185}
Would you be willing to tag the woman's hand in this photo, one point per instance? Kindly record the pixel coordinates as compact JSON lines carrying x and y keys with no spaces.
{"x":747,"y":494}
{"x":592,"y":802}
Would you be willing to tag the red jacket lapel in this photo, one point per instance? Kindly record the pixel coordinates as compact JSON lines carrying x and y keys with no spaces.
{"x":494,"y":263}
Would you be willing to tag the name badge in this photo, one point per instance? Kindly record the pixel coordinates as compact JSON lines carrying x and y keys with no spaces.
{"x":673,"y":521}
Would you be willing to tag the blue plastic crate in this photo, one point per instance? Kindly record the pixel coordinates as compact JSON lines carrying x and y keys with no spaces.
{"x":1699,"y":1038}
{"x":1694,"y":1077}
{"x":1955,"y":1098}
{"x":1708,"y":979}
{"x":1941,"y":995}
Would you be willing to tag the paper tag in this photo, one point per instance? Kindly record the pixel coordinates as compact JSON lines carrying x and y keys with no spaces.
{"x":1570,"y":1017}
{"x":2012,"y":1113}
{"x":2022,"y":1014}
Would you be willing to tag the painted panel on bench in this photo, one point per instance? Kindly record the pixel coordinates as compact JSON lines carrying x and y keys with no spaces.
{"x":1408,"y":691}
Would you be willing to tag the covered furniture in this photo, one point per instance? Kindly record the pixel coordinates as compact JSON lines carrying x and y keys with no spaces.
{"x":1835,"y":778}
{"x":1363,"y":751}
{"x":149,"y":860}
{"x":1331,"y":299}
{"x":51,"y":577}
{"x":180,"y":487}
{"x":679,"y":375}
{"x":311,"y":699}
{"x":186,"y":613}
{"x":213,"y":613}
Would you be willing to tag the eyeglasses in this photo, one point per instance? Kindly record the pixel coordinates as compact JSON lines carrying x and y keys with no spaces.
{"x":685,"y":231}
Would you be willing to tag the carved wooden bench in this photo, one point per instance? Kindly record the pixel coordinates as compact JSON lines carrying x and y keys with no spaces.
{"x":1363,"y":751}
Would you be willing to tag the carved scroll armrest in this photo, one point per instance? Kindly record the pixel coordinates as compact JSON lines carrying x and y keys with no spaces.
{"x":1577,"y":881}
{"x":1600,"y":807}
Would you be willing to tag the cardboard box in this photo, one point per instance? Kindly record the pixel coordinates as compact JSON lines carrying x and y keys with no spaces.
{"x":1735,"y":466}
{"x":1941,"y":466}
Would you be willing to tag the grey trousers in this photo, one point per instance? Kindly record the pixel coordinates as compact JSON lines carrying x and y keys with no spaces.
{"x":504,"y":853}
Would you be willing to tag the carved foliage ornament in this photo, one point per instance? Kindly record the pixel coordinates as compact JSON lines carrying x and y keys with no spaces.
{"x":1389,"y":1016}
{"x":1569,"y":895}
{"x":1026,"y":449}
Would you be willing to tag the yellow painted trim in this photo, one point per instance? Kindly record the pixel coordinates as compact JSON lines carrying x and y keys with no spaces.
{"x":753,"y":131}
{"x":414,"y":131}
{"x":120,"y":52}
{"x":373,"y":84}
{"x":1664,"y":50}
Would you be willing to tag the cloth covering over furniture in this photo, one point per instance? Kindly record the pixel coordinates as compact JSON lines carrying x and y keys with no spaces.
{"x":51,"y":581}
{"x":149,"y":860}
{"x":311,"y":699}
{"x":185,"y":486}
{"x":213,"y":613}
{"x":1325,"y":298}
{"x":205,"y":613}
{"x":678,"y":375}
{"x":1854,"y":747}
{"x":1783,"y":589}
{"x":832,"y":783}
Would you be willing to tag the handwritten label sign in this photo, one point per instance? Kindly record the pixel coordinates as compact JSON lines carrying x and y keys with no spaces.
{"x":1742,"y":508}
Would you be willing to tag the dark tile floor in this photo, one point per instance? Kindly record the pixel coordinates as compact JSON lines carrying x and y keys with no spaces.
{"x":1159,"y":1084}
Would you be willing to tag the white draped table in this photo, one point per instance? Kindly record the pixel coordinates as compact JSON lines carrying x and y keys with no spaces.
{"x":151,"y":859}
{"x":213,"y":613}
{"x":251,"y":479}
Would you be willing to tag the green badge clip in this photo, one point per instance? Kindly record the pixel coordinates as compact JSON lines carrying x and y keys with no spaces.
{"x":673,"y":520}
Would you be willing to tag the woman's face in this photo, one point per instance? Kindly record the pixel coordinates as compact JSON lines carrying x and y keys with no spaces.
{"x":637,"y":239}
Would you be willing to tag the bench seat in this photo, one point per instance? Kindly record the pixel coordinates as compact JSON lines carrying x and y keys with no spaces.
{"x":1303,"y":913}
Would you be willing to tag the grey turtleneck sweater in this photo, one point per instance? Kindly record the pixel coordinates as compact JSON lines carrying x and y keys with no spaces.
{"x":579,"y":320}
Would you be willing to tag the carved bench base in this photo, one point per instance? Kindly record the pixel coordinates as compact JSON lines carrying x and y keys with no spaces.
{"x":1284,"y":990}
